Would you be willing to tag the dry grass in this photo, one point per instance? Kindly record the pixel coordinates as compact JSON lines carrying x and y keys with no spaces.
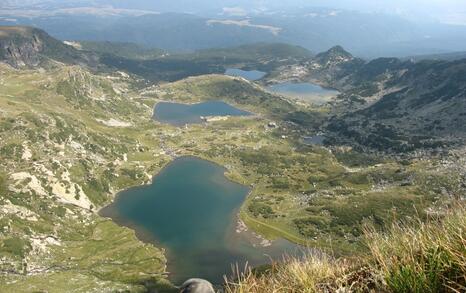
{"x":309,"y":275}
{"x":426,"y":257}
{"x":420,"y":257}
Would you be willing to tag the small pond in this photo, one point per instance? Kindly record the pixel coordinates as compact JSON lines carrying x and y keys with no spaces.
{"x":308,"y":92}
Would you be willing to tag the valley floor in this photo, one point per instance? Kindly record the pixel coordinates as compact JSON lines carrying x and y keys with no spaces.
{"x":70,"y":140}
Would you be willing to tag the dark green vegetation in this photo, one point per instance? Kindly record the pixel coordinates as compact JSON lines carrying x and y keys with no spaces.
{"x":446,"y":56}
{"x":124,"y":50}
{"x":262,"y":56}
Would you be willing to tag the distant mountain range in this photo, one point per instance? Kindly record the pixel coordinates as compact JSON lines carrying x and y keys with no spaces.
{"x":446,"y":56}
{"x":365,"y":34}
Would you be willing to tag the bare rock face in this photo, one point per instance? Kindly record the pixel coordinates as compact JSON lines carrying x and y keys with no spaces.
{"x":197,"y":286}
{"x":20,"y":47}
{"x":27,"y":47}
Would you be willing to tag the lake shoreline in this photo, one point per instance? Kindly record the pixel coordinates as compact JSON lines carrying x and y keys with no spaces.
{"x":249,"y":236}
{"x":109,"y":211}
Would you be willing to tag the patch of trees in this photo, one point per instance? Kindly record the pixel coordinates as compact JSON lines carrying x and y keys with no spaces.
{"x":258,"y":209}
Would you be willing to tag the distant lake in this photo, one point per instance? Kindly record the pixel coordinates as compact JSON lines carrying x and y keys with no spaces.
{"x":314,"y":140}
{"x":190,"y":210}
{"x":304,"y":91}
{"x":247,"y":74}
{"x":181,"y":114}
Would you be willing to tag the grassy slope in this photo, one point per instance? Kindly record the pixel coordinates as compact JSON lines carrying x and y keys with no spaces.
{"x":420,"y":257}
{"x":54,"y":115}
{"x":63,"y":137}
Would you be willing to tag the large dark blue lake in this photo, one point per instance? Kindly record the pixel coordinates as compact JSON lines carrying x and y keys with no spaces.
{"x":247,"y":74}
{"x":181,"y":114}
{"x":190,"y":209}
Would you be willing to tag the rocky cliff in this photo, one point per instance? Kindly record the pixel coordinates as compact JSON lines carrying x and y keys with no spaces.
{"x":30,"y":47}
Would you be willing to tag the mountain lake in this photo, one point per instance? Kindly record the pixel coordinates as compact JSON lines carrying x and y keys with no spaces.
{"x":180,"y":114}
{"x":307,"y":92}
{"x":190,"y":210}
{"x":251,"y":75}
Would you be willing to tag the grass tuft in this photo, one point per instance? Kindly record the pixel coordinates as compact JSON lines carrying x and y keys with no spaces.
{"x":426,"y":257}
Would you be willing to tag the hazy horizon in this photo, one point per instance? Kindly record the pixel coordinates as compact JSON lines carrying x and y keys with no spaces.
{"x":444,"y":11}
{"x":366,"y":28}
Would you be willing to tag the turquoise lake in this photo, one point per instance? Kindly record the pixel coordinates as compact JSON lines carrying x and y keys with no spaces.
{"x":247,"y":74}
{"x":190,"y":209}
{"x":304,"y":91}
{"x":181,"y":114}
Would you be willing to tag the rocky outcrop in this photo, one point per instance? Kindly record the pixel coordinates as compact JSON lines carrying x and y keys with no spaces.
{"x":20,"y":47}
{"x":28,"y":47}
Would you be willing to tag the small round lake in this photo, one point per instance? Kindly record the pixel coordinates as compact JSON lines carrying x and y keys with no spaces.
{"x":314,"y":140}
{"x":191,"y":209}
{"x":304,"y":91}
{"x":246,"y":74}
{"x":181,"y":114}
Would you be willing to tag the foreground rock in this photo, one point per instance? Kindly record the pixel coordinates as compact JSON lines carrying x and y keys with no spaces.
{"x":197,"y":286}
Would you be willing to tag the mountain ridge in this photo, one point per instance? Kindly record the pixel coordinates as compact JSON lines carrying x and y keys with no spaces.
{"x":367,"y":35}
{"x":389,"y":103}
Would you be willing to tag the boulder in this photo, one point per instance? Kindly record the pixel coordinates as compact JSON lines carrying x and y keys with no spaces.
{"x":197,"y":286}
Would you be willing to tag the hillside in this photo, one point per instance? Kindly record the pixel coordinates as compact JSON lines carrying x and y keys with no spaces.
{"x":445,"y":56}
{"x":65,"y":160}
{"x":388,"y":103}
{"x":257,"y":51}
{"x":124,"y":50}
